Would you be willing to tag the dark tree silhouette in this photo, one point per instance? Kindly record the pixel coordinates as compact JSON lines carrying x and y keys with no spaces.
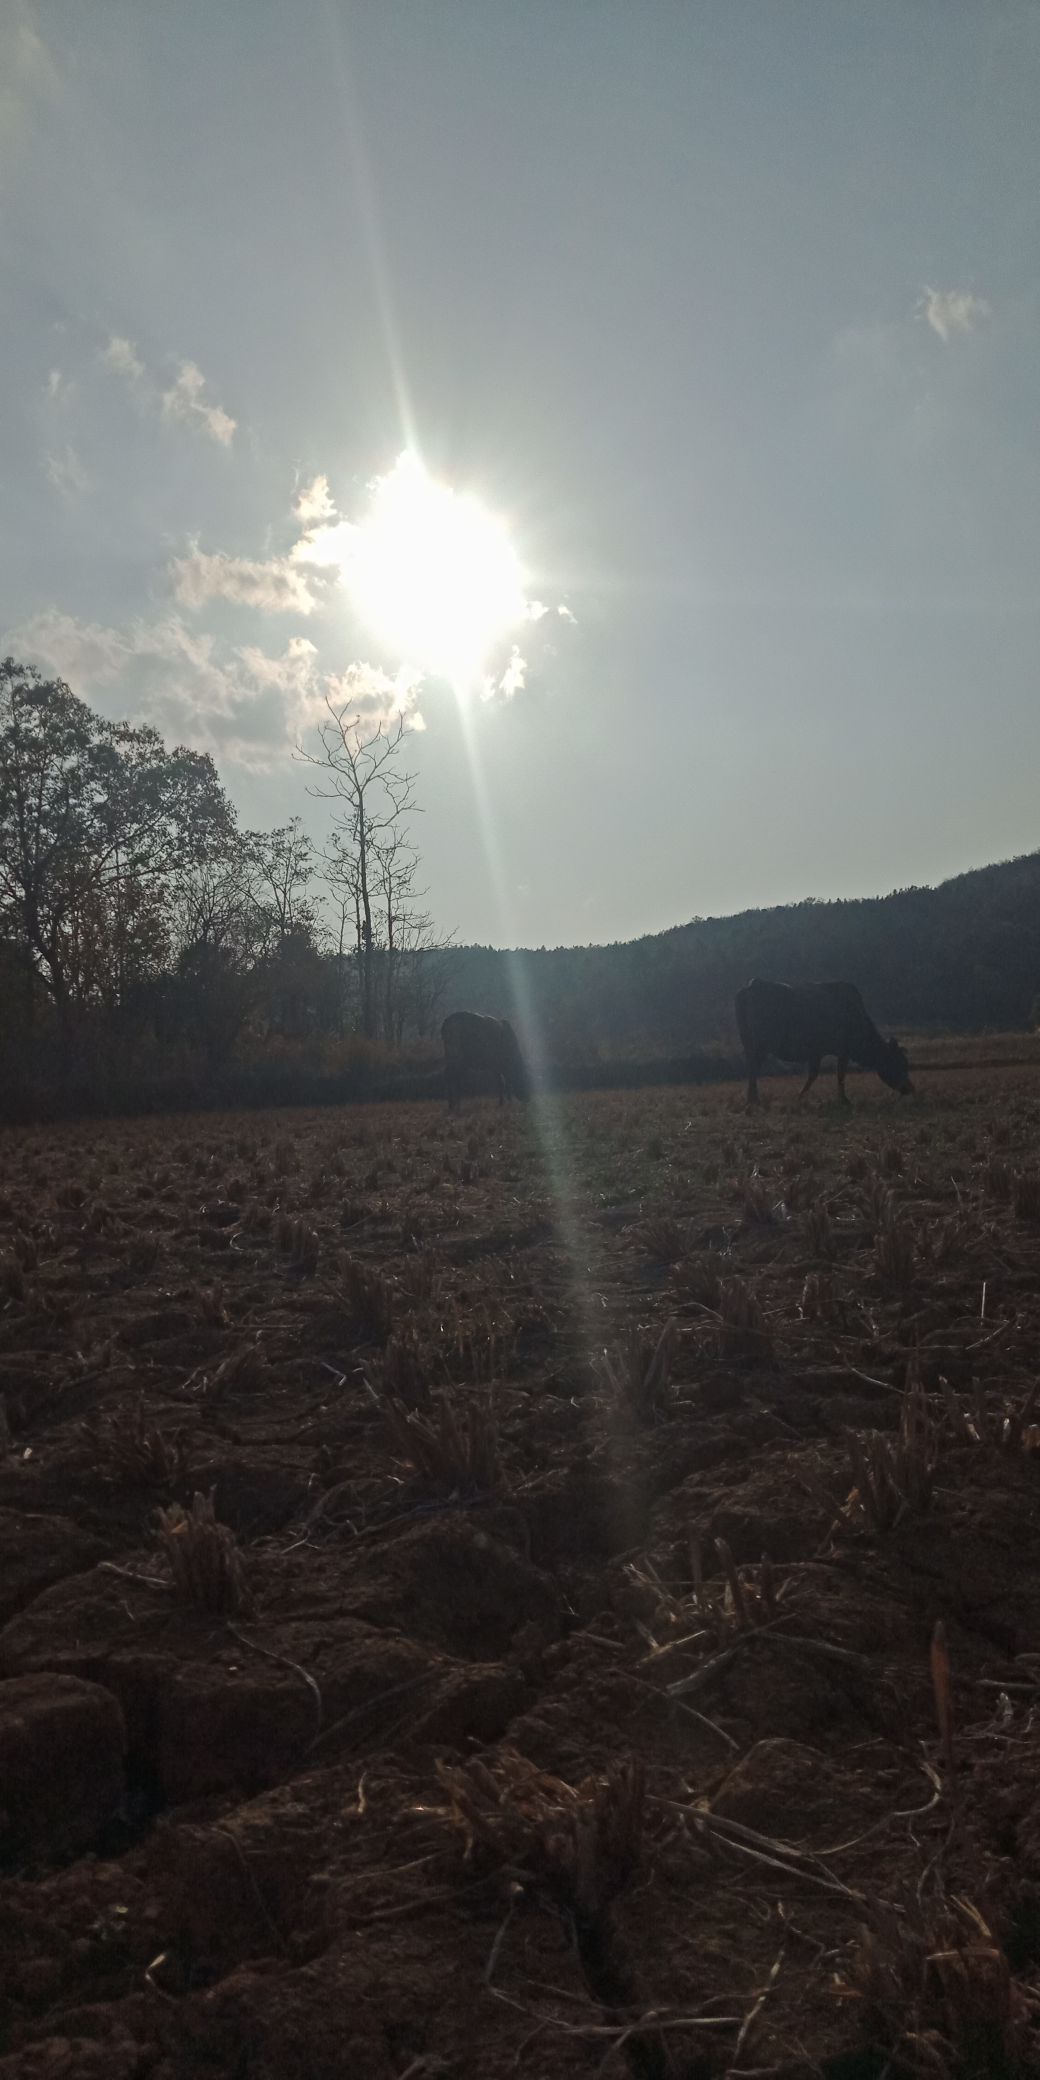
{"x":95,"y":817}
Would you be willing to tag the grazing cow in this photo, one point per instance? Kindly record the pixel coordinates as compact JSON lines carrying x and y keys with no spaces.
{"x":481,"y":1051}
{"x":805,"y":1022}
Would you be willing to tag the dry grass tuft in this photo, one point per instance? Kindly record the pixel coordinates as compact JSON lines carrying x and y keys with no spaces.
{"x":473,"y":1345}
{"x":699,"y":1278}
{"x":663,"y":1238}
{"x":1010,"y":1429}
{"x":451,"y":1454}
{"x":937,"y":1994}
{"x":893,"y":1477}
{"x":412,"y":1232}
{"x":999,"y":1179}
{"x":1026,"y":1195}
{"x":405,"y":1374}
{"x":817,"y":1301}
{"x":819,"y":1229}
{"x":582,"y":1845}
{"x":136,"y":1452}
{"x":759,"y":1209}
{"x":747,"y":1598}
{"x":895,"y":1255}
{"x":368,"y":1299}
{"x":637,"y":1376}
{"x":304,"y":1249}
{"x":12,"y":1279}
{"x":421,"y":1277}
{"x":743,"y":1331}
{"x":581,"y":1848}
{"x":143,"y":1254}
{"x":244,"y":1369}
{"x":212,"y":1306}
{"x":25,"y":1252}
{"x":950,"y":1241}
{"x":203,"y":1558}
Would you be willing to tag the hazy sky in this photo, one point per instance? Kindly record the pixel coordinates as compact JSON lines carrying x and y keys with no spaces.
{"x":728,"y":309}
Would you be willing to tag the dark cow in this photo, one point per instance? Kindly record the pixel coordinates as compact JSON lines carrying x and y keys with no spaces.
{"x":803,"y":1023}
{"x":483,"y":1053}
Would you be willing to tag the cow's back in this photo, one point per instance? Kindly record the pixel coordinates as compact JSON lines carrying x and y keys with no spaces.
{"x":471,"y":1035}
{"x":796,"y":1021}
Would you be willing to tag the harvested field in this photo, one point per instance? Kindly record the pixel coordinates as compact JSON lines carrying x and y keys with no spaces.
{"x":542,"y":1593}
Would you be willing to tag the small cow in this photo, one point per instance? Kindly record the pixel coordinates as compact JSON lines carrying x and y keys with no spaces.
{"x":803,"y":1023}
{"x":481,"y":1051}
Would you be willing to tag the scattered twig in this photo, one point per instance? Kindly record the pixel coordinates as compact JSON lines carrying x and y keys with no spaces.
{"x":734,"y":2068}
{"x":284,"y":1661}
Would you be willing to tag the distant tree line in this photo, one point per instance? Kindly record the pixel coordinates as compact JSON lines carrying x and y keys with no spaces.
{"x":151,"y":951}
{"x":145,"y":937}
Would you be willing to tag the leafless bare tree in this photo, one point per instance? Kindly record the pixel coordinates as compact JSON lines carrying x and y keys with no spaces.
{"x":358,"y":761}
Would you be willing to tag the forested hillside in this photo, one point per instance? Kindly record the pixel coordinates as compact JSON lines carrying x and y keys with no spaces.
{"x":960,"y":957}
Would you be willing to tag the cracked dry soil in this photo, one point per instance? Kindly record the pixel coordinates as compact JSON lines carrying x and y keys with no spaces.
{"x":597,"y":1477}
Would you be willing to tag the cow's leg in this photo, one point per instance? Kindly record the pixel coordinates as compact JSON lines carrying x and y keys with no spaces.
{"x":753,"y":1068}
{"x":843,"y":1067}
{"x":501,"y":1090}
{"x":814,"y":1070}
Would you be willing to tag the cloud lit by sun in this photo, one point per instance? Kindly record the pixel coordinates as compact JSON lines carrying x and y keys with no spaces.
{"x":429,"y":571}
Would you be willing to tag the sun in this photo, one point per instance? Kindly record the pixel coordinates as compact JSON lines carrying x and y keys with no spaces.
{"x":434,"y":575}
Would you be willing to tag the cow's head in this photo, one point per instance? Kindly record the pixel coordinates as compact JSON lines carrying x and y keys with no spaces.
{"x":520,"y":1079}
{"x":894,"y":1069}
{"x":517,"y":1077}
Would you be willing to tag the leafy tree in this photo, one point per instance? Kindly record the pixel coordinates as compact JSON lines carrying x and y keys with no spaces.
{"x":94,"y":817}
{"x":219,"y":936}
{"x":282,"y":863}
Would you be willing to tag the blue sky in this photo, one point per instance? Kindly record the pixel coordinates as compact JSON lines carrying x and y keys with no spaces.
{"x":730,"y":312}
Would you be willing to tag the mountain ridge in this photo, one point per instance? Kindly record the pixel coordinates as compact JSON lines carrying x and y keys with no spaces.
{"x":963,"y":955}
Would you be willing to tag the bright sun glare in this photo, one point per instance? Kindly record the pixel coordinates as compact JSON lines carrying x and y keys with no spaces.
{"x":434,"y":574}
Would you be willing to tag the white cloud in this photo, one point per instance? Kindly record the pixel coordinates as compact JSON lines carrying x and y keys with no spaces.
{"x":28,"y":74}
{"x":184,"y":401}
{"x":949,"y":311}
{"x":69,"y":648}
{"x":60,"y":389}
{"x":293,"y":677}
{"x":66,"y":472}
{"x":327,"y":546}
{"x":375,"y":695}
{"x":276,"y":586}
{"x":314,"y":505}
{"x":122,"y":357}
{"x":512,"y":679}
{"x":241,"y":704}
{"x":248,"y":703}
